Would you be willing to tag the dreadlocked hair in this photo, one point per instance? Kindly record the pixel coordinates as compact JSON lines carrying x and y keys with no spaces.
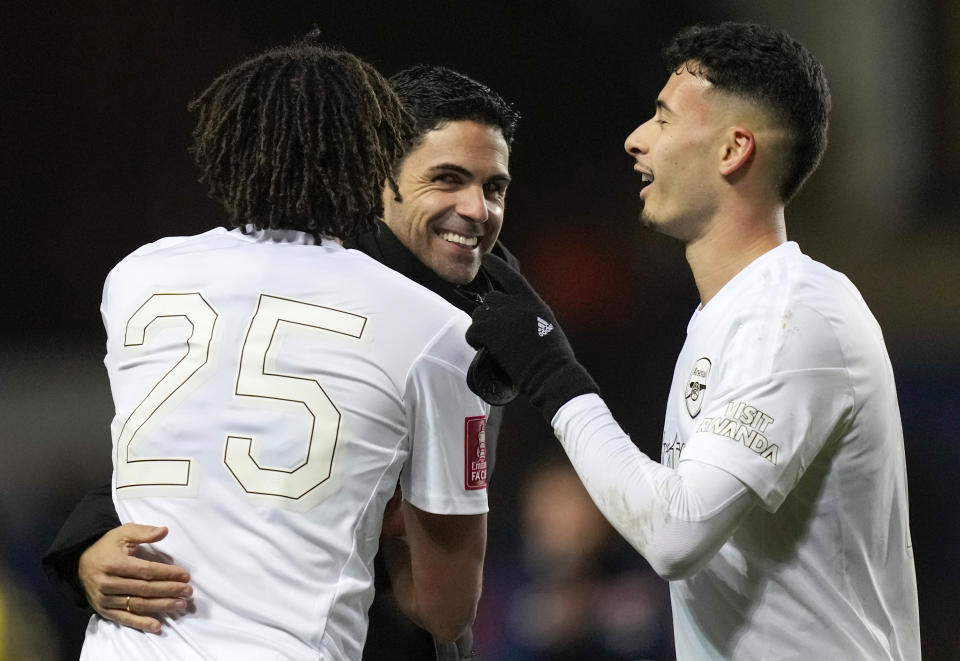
{"x":301,"y":137}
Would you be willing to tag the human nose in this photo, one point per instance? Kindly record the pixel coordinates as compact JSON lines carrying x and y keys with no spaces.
{"x":636,"y":144}
{"x":472,"y":204}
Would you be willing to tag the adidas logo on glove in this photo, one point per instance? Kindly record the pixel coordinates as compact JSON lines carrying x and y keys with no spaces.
{"x":543,"y":326}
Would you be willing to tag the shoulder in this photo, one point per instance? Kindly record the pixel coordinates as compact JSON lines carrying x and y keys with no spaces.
{"x":153,"y":256}
{"x":796,"y":313}
{"x":401,"y":290}
{"x":432,"y":327}
{"x":157,"y":252}
{"x":449,"y":347}
{"x":215,"y":236}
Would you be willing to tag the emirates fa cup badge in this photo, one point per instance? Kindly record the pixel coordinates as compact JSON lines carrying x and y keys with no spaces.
{"x":475,"y":453}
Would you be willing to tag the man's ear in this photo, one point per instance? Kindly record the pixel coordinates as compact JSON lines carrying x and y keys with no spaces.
{"x":737,"y":149}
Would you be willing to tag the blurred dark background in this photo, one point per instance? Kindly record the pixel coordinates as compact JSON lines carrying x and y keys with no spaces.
{"x":94,"y":133}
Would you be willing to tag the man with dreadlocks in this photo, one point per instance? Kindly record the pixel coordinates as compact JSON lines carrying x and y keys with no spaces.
{"x":272,"y":387}
{"x":441,"y":182}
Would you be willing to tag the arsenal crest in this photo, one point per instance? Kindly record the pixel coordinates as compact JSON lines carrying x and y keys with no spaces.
{"x":696,"y":386}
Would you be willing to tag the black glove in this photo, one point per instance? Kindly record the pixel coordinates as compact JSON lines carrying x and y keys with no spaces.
{"x":521,"y":334}
{"x":487,"y":379}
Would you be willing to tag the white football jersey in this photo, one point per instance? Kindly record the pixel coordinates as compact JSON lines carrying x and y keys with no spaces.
{"x":785,"y":383}
{"x":269,"y":395}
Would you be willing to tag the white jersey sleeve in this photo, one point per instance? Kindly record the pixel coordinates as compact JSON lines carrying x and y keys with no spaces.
{"x":776,"y":407}
{"x":676,"y":519}
{"x":447,"y":469}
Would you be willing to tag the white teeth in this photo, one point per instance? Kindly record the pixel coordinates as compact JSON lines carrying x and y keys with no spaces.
{"x":646,"y":178}
{"x":470,"y":241}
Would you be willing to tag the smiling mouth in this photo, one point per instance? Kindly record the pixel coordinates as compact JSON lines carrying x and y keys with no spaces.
{"x":645,"y":180}
{"x":460,"y":239}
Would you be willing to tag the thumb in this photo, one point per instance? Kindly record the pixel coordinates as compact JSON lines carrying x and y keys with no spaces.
{"x":135,"y":533}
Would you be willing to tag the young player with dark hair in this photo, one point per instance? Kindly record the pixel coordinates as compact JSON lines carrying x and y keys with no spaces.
{"x":779,"y":510}
{"x":272,"y":387}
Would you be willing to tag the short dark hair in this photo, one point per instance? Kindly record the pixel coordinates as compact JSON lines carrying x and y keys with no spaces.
{"x":300,"y":137}
{"x":769,"y":68}
{"x":435,"y":95}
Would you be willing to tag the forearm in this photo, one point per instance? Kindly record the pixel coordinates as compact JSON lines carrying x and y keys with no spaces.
{"x":676,"y":519}
{"x":396,"y":557}
{"x":436,"y":570}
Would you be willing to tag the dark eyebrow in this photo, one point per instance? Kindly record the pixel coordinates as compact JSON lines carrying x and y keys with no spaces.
{"x":459,"y":169}
{"x":663,"y":107}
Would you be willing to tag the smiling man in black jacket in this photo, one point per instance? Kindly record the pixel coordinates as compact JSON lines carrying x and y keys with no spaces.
{"x":444,"y":215}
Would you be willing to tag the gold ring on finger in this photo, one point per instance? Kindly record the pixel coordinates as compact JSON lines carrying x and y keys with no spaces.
{"x":128,"y":603}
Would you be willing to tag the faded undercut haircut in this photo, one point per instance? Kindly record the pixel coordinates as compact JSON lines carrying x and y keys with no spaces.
{"x":769,"y":68}
{"x":300,"y":137}
{"x":435,"y":95}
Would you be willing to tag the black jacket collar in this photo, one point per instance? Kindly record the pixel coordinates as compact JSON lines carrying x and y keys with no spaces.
{"x":384,"y":246}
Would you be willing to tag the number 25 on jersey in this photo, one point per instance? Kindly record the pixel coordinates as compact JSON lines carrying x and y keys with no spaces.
{"x":254,"y":383}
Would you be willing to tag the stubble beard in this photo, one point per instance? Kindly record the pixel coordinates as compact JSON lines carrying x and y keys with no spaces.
{"x":646,"y":220}
{"x":671,"y":228}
